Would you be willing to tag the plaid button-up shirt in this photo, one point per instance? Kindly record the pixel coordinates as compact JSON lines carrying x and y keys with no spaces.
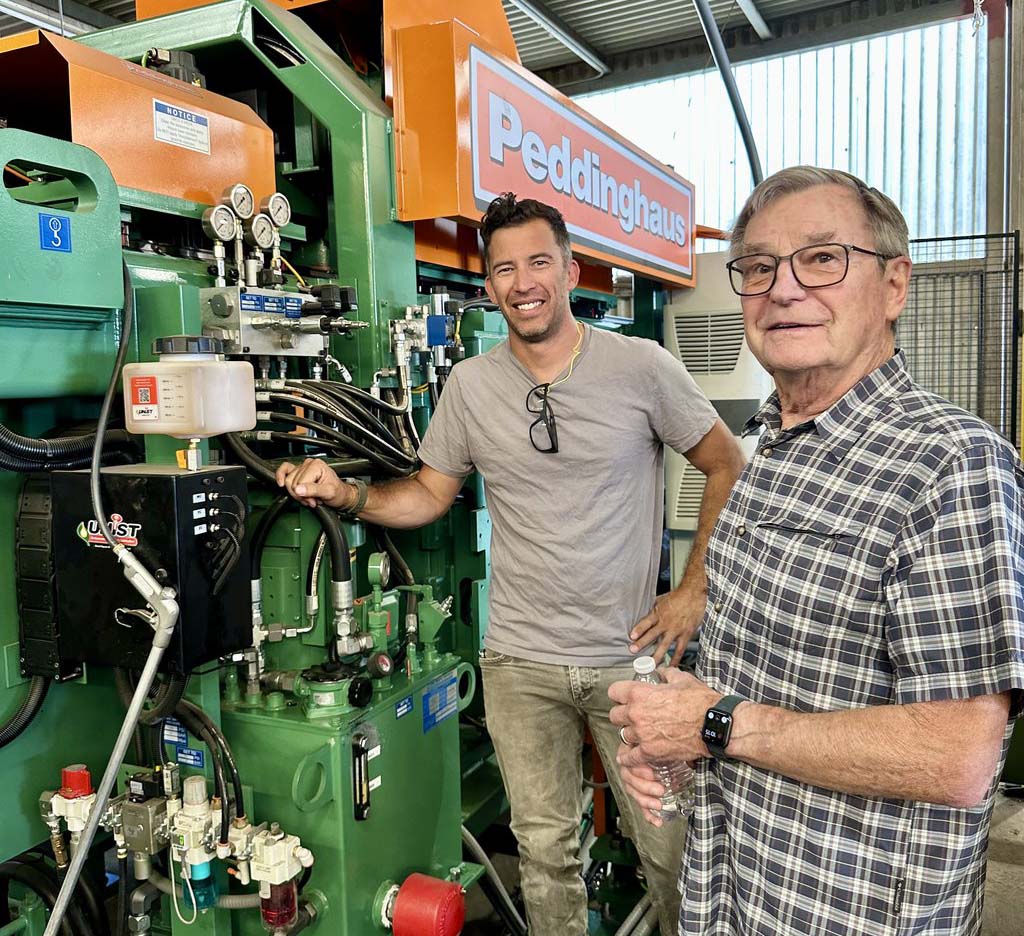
{"x":870,"y":556}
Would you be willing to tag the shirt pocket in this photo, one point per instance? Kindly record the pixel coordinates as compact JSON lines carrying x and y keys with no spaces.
{"x":820,"y":578}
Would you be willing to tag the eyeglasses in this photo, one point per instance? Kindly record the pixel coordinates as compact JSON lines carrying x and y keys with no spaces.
{"x":537,"y":404}
{"x":813,"y":267}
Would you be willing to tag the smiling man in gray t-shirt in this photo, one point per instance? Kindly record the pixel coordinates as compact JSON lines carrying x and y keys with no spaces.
{"x":566,"y":424}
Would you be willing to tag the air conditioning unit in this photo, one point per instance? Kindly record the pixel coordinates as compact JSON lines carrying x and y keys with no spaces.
{"x":704,"y":329}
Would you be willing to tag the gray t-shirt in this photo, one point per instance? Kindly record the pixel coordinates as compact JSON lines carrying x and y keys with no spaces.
{"x":576,"y":534}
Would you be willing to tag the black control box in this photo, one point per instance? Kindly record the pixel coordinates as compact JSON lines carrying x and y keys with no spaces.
{"x":187,"y":527}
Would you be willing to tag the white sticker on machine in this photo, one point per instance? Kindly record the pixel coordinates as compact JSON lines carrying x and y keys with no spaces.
{"x":374,"y":783}
{"x":181,"y":127}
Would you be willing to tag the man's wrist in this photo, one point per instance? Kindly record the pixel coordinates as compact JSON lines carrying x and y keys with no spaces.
{"x":353,"y":497}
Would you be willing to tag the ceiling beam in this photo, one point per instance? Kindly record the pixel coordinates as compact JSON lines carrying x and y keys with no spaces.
{"x":756,"y":20}
{"x":817,"y":28}
{"x":46,"y":14}
{"x":564,"y":33}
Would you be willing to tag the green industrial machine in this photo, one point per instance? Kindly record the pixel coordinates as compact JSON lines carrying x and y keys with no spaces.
{"x":298,"y":765}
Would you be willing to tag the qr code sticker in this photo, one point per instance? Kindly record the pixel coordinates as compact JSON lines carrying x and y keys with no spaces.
{"x":144,"y":395}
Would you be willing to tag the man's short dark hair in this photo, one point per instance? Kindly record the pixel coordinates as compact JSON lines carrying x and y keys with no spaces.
{"x":507,"y":211}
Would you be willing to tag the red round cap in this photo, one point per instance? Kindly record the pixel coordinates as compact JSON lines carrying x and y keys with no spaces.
{"x":428,"y":906}
{"x":75,"y":781}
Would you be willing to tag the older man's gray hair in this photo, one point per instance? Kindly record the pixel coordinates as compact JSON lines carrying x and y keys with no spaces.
{"x":885,"y":221}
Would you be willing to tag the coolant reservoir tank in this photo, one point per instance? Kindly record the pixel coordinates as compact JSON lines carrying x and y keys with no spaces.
{"x":191,"y":392}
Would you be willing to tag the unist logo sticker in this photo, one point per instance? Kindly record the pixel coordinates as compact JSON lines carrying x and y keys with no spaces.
{"x":126,"y":534}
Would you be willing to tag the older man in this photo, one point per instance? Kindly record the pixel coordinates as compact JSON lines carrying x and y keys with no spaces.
{"x":862,"y":650}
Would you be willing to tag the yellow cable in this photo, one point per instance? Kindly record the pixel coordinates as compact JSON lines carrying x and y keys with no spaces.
{"x":295,"y":272}
{"x":572,"y":360}
{"x":422,"y":388}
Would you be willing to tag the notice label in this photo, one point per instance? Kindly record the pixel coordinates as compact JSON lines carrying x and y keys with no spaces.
{"x":175,"y":733}
{"x":144,"y":398}
{"x":191,"y":757}
{"x":404,"y":707}
{"x":374,"y":784}
{"x":180,"y":127}
{"x":440,"y":700}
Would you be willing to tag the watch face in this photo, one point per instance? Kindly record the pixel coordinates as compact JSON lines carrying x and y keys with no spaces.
{"x":716,"y":728}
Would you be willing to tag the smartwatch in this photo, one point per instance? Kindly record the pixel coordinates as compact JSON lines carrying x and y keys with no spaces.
{"x":718,"y":725}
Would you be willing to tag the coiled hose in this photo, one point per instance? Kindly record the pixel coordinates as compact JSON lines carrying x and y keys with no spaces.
{"x":28,"y":710}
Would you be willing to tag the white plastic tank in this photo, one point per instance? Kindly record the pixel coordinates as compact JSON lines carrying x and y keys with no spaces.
{"x":192,"y":392}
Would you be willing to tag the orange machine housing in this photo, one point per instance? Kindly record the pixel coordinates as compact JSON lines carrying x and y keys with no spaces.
{"x":67,"y":90}
{"x":437,"y":126}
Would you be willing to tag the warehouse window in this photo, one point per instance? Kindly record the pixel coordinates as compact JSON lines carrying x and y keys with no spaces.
{"x":906,"y":112}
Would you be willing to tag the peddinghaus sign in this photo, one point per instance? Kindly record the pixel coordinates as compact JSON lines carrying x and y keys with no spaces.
{"x":471,"y":124}
{"x":526,"y":141}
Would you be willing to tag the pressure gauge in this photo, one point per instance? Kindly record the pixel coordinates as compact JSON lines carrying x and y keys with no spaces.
{"x":259,"y":232}
{"x":378,"y":568}
{"x":278,"y":207}
{"x":240,"y":200}
{"x":219,"y":223}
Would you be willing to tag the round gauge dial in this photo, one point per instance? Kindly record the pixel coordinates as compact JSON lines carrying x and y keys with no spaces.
{"x":278,"y":207}
{"x":240,"y":199}
{"x":219,"y":223}
{"x":378,"y":568}
{"x":260,"y":232}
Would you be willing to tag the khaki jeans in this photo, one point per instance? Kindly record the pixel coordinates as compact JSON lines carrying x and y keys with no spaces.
{"x":536,"y":714}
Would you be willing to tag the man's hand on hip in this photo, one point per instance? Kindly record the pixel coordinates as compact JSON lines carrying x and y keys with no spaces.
{"x":313,"y":483}
{"x":673,"y":620}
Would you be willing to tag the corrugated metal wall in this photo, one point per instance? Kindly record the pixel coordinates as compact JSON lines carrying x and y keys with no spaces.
{"x":906,"y":112}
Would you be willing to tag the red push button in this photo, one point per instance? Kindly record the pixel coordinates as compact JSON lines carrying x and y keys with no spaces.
{"x":427,"y":906}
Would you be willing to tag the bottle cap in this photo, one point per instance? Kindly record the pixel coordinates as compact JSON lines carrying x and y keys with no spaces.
{"x":644,"y":666}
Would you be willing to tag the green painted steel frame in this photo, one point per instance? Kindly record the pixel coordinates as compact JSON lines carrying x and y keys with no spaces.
{"x":371,"y":250}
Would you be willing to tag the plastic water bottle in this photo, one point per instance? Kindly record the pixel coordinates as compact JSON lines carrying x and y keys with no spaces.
{"x":675,"y":776}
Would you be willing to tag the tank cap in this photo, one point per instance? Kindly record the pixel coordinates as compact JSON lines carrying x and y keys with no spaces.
{"x":644,"y":666}
{"x":428,"y":906}
{"x":188,"y":344}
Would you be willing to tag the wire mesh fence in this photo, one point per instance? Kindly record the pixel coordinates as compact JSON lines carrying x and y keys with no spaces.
{"x":962,"y":322}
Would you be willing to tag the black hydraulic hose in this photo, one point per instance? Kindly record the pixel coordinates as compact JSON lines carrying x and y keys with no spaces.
{"x":225,"y":749}
{"x":435,"y":396}
{"x":165,"y":699}
{"x":198,"y":728}
{"x":337,"y":542}
{"x":313,"y":566}
{"x":350,"y":405}
{"x":263,"y":471}
{"x":262,"y":531}
{"x":367,"y":398}
{"x":74,"y":922}
{"x":397,"y":559}
{"x":250,"y":459}
{"x":122,"y":897}
{"x":307,"y":873}
{"x":87,"y":893}
{"x":721,"y":57}
{"x":491,"y":892}
{"x":351,"y":466}
{"x":28,"y":710}
{"x":337,"y":416}
{"x":338,"y":439}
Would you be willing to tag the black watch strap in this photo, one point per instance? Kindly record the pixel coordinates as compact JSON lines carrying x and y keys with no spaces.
{"x":724,"y":707}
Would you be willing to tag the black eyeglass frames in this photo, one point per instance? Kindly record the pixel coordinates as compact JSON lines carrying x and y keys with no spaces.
{"x":543,"y":431}
{"x":814,"y":266}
